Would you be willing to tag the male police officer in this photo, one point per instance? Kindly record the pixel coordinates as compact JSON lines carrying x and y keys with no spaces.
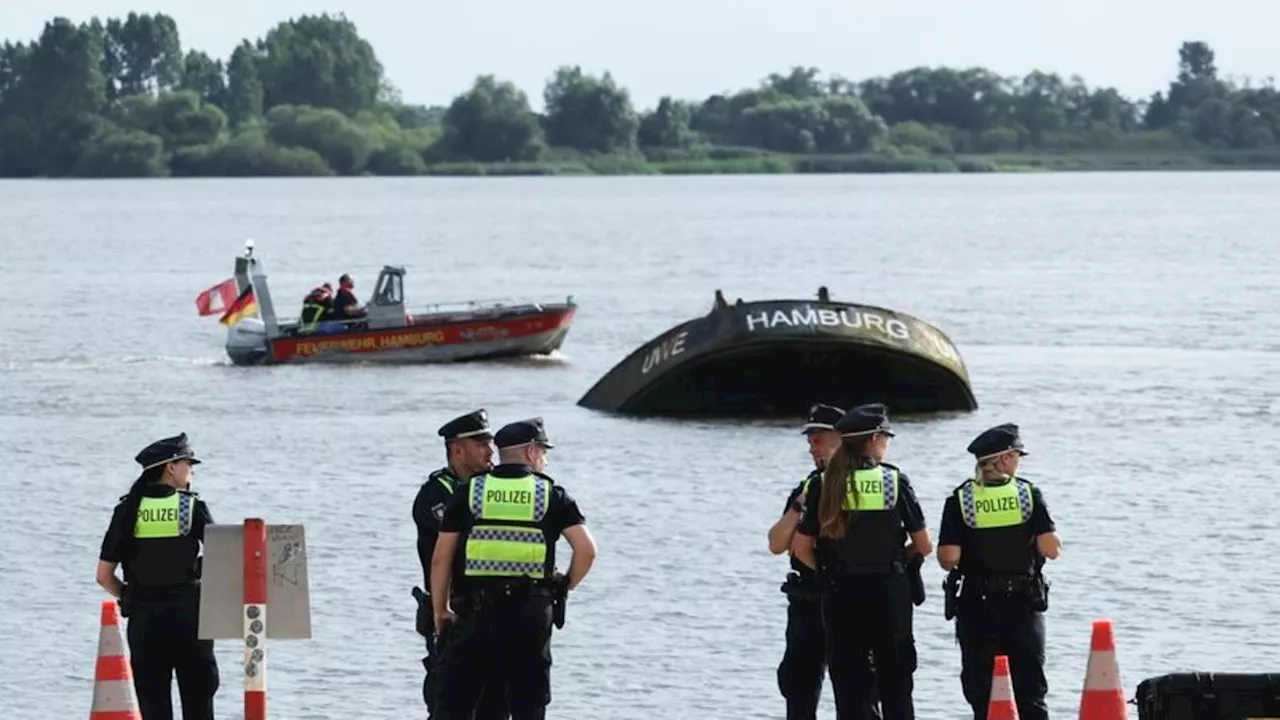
{"x":503,"y":581}
{"x":468,"y":452}
{"x":804,"y":661}
{"x":996,"y":531}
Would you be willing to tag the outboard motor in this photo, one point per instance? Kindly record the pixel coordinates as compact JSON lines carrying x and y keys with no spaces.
{"x":247,"y":342}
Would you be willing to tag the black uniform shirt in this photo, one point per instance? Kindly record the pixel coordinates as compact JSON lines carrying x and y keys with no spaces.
{"x":562,"y":509}
{"x":428,"y":511}
{"x":168,"y":558}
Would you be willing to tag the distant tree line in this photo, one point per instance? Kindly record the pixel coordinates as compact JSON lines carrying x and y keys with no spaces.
{"x":122,"y":99}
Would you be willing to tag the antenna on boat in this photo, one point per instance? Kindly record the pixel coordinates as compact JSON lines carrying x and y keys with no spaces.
{"x":248,"y":247}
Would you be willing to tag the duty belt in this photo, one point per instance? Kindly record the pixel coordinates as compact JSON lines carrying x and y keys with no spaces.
{"x":998,"y":587}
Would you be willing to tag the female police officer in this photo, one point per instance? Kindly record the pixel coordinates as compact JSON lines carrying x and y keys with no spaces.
{"x":155,"y":533}
{"x":853,"y":532}
{"x":996,"y":534}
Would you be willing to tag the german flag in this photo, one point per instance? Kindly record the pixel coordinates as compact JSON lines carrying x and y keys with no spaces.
{"x":244,"y":305}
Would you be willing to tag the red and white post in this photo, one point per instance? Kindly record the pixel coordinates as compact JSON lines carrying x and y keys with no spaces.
{"x":255,"y":619}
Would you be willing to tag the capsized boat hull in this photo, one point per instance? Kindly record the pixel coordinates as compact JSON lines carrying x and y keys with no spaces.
{"x":778,"y":357}
{"x":538,"y":330}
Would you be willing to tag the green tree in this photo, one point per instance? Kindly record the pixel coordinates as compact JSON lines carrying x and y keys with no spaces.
{"x":588,"y":113}
{"x":319,"y":61}
{"x":492,"y":122}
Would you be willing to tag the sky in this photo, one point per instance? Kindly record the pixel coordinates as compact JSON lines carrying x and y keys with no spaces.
{"x":433,"y":50}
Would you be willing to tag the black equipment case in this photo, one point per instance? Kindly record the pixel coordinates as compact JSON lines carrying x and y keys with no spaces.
{"x":1209,"y":696}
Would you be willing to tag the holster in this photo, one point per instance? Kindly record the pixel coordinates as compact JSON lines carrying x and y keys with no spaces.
{"x":559,"y":598}
{"x":798,"y":589}
{"x":916,"y":580}
{"x":950,"y":594}
{"x":425,"y":621}
{"x":125,"y":601}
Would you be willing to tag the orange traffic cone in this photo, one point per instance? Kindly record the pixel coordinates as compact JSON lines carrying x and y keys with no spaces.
{"x":1103,"y":696}
{"x":113,"y":696}
{"x":1001,"y":706}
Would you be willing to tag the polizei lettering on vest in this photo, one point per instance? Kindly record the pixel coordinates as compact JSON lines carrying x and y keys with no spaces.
{"x":809,"y":317}
{"x":666,"y":349}
{"x":997,"y":504}
{"x":158,"y":514}
{"x":508,"y":497}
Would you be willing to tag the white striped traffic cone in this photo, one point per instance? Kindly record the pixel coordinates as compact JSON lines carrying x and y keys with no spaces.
{"x":1103,"y":696}
{"x":1001,"y":705}
{"x":113,"y":696}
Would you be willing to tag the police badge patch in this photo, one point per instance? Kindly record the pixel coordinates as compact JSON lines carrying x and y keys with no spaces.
{"x":438,"y":511}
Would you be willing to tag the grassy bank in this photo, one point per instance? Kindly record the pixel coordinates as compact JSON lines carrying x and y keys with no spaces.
{"x":775,"y":163}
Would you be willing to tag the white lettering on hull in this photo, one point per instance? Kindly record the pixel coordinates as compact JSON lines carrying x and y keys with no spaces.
{"x":809,"y":317}
{"x":663,"y":351}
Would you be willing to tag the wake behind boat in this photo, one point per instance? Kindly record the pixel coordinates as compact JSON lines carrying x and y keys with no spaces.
{"x":387,"y":333}
{"x":778,"y":357}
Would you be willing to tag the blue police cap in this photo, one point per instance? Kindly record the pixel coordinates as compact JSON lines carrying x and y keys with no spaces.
{"x":522,"y":432}
{"x":473,"y":424}
{"x":822,"y":417}
{"x":166,"y":450}
{"x":996,"y":440}
{"x":865,"y":420}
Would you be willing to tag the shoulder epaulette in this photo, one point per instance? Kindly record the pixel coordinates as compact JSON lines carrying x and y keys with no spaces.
{"x":891,"y":466}
{"x":546,"y":477}
{"x":957,"y":488}
{"x":192,"y":493}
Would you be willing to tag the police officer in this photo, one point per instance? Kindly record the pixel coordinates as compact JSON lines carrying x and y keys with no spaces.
{"x":996,"y":532}
{"x":503,"y":579}
{"x":804,"y":661}
{"x":853,"y":531}
{"x":468,"y":451}
{"x":155,"y":534}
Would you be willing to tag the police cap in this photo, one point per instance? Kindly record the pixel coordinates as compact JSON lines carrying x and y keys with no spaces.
{"x":997,"y":440}
{"x":865,"y":420}
{"x":522,"y":432}
{"x":822,"y":417}
{"x":473,"y":424}
{"x":166,"y":450}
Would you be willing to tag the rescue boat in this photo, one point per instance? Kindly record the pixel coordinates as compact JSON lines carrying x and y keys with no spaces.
{"x":388,"y":333}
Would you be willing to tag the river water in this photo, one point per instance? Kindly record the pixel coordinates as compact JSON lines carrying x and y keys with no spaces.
{"x":1126,"y":321}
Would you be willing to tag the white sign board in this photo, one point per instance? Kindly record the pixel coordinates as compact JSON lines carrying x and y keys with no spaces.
{"x":222,"y":583}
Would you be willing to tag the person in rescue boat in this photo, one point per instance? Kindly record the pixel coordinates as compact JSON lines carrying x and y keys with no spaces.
{"x":316,"y":307}
{"x":345,"y":305}
{"x":853,"y":532}
{"x":804,"y":660}
{"x":997,"y":531}
{"x":155,"y":535}
{"x":503,"y":579}
{"x":468,"y":451}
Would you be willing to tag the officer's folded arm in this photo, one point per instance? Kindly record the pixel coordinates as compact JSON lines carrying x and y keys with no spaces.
{"x":1049,"y":545}
{"x":108,"y":580}
{"x":802,"y":548}
{"x":584,"y":552}
{"x":441,"y":576}
{"x":948,"y":556}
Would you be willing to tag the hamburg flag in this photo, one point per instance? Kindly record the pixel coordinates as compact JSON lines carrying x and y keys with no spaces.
{"x":244,"y":305}
{"x":224,"y":291}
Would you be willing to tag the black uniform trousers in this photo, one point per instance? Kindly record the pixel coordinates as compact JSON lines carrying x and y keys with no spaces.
{"x":986,"y":628}
{"x":493,"y":700}
{"x":162,"y":633}
{"x":498,"y":648}
{"x":870,"y":615}
{"x":805,"y":660}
